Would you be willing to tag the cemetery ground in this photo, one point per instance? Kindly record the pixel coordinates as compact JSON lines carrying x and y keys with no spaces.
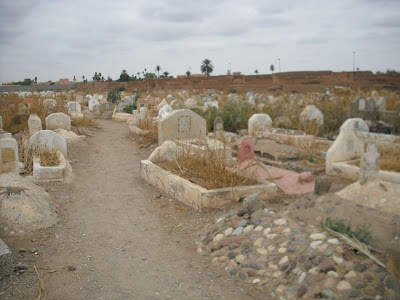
{"x":118,"y":237}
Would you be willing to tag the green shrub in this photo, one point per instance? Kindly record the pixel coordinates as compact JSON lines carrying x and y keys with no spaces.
{"x":114,"y":95}
{"x":128,"y":109}
{"x":362,"y":233}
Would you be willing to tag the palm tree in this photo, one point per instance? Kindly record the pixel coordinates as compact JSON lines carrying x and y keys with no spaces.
{"x":83,"y":77}
{"x":272,"y":68}
{"x":158,"y":69}
{"x":256,"y":72}
{"x":206,"y":67}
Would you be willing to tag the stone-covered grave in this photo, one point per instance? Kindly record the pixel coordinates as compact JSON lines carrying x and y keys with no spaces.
{"x":290,"y":259}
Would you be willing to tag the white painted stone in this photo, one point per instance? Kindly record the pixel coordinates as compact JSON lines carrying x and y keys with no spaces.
{"x":92,"y":103}
{"x":34,"y":124}
{"x":164,"y":111}
{"x":58,"y":121}
{"x":338,"y":260}
{"x":73,"y":107}
{"x":248,"y":229}
{"x":181,"y":124}
{"x":48,"y":140}
{"x":258,"y":123}
{"x":312,"y":113}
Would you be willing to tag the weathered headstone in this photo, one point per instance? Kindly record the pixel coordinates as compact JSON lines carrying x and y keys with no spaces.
{"x":369,"y":168}
{"x":246,"y":150}
{"x":73,"y":107}
{"x":107,"y":106}
{"x":233,"y":99}
{"x":218,"y":124}
{"x":48,"y":140}
{"x":9,"y":155}
{"x":162,"y":104}
{"x":23,"y":108}
{"x":79,"y":98}
{"x":49,"y":103}
{"x":165,"y":110}
{"x":312,"y":114}
{"x":370,"y":104}
{"x":1,"y":123}
{"x":357,"y":104}
{"x":381,"y":104}
{"x":258,"y":123}
{"x":92,"y":103}
{"x":58,"y":121}
{"x":181,"y":124}
{"x":34,"y":124}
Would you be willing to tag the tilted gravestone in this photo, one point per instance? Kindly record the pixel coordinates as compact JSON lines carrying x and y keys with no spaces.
{"x":181,"y":124}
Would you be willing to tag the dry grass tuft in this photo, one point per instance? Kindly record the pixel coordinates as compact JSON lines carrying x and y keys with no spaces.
{"x":83,"y":122}
{"x":390,"y":158}
{"x":205,"y":168}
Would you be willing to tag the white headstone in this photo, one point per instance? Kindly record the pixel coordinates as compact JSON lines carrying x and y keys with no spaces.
{"x":92,"y":103}
{"x":258,"y":123}
{"x":312,"y":113}
{"x":181,"y":124}
{"x":34,"y":124}
{"x":73,"y":107}
{"x":58,"y":121}
{"x":48,"y":140}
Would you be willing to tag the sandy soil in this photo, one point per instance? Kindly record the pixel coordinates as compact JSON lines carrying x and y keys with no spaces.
{"x":122,"y":241}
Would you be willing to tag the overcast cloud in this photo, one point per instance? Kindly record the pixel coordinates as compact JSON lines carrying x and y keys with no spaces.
{"x":54,"y":39}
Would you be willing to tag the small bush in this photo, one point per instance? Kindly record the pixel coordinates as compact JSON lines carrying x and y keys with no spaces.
{"x":114,"y":95}
{"x":362,"y":233}
{"x":128,"y":109}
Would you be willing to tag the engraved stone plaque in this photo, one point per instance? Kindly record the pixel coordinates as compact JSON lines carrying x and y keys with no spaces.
{"x":7,"y":154}
{"x":184,"y":123}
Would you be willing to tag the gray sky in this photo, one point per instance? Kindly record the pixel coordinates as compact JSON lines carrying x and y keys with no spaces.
{"x":54,"y":39}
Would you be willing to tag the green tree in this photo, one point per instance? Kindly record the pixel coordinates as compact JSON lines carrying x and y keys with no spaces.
{"x":166,"y":74}
{"x":97,"y":77}
{"x":158,"y":69}
{"x":109,"y":79}
{"x":188,"y":73}
{"x":256,"y":72}
{"x":206,"y":67}
{"x":35,"y":79}
{"x":124,"y":77}
{"x":272,"y":68}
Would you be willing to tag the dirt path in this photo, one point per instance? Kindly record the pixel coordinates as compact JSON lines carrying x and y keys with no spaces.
{"x":123,"y":241}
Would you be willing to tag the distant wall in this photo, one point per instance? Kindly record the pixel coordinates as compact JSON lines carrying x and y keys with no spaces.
{"x":301,"y":82}
{"x":38,"y":87}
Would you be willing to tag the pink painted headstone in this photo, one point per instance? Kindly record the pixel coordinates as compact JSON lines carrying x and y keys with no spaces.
{"x":246,"y":150}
